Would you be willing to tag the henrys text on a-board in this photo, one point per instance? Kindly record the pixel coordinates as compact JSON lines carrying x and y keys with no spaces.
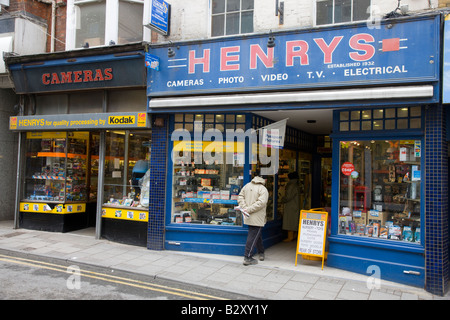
{"x":404,"y":51}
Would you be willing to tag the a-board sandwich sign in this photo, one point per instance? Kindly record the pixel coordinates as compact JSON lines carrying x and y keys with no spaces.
{"x":312,"y":231}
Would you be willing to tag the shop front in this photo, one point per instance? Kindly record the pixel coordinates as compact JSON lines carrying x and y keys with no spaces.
{"x":381,"y":85}
{"x":84,"y":142}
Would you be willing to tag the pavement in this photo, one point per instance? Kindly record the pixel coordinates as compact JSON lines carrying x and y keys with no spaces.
{"x":276,"y":278}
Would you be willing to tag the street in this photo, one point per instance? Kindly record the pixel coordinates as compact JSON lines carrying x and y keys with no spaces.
{"x":28,"y":277}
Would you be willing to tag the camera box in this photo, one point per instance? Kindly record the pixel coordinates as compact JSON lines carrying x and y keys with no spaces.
{"x":375,"y":216}
{"x":360,"y":217}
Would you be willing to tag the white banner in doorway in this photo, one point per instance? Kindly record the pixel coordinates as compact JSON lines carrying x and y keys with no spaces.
{"x":273,"y":134}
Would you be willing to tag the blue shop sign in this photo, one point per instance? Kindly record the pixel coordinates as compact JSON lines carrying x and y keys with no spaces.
{"x":81,"y":73}
{"x":160,"y":17}
{"x":398,"y":51}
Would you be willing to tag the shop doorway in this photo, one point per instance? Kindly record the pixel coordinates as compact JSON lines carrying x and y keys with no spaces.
{"x":125,"y":163}
{"x":313,"y":166}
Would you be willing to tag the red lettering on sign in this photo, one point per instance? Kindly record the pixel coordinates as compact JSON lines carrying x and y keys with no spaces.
{"x":225,"y":58}
{"x":46,"y":78}
{"x":77,"y":76}
{"x":257,"y":52}
{"x":202,"y":60}
{"x":368,"y":49}
{"x":328,"y":49}
{"x":55,"y":79}
{"x":66,"y":77}
{"x":98,"y":75}
{"x":297,"y":49}
{"x":87,"y":76}
{"x":108,"y":74}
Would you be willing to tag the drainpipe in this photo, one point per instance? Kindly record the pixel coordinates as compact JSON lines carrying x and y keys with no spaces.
{"x":52,"y":32}
{"x":52,"y":37}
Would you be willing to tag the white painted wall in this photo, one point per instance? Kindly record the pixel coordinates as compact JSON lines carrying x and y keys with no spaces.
{"x":190,"y":19}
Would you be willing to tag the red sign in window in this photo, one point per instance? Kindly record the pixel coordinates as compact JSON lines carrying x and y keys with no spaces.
{"x":347,"y":168}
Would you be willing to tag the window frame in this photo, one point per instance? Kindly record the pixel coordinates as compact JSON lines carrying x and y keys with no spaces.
{"x":333,"y":14}
{"x":111,"y":27}
{"x":224,"y":14}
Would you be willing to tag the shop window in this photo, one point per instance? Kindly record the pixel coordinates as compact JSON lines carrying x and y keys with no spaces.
{"x":380,"y":189}
{"x":340,"y":11}
{"x":127,"y":158}
{"x":56,"y":170}
{"x":231,"y":17}
{"x":401,"y":118}
{"x":207,"y":175}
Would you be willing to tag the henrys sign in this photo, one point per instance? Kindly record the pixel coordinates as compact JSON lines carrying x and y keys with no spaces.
{"x":405,"y":50}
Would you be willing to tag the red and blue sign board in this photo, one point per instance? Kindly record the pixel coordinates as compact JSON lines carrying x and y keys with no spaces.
{"x":397,"y":51}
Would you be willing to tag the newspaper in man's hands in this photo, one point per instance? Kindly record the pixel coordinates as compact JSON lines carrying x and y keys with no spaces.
{"x":244,"y":212}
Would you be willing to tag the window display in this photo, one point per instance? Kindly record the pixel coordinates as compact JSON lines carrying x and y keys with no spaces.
{"x":380,"y":189}
{"x":207,"y":176}
{"x":126,"y":177}
{"x":56,"y":167}
{"x":205,"y":192}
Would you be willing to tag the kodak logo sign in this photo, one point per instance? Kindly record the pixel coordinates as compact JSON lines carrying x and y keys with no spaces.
{"x":121,"y":120}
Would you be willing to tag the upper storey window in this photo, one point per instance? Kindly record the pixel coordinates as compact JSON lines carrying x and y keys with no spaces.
{"x":90,"y":27}
{"x":231,"y":17}
{"x":130,"y":21}
{"x":341,"y":11}
{"x":103,"y":22}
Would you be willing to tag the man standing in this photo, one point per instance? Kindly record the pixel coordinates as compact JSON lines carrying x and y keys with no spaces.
{"x":252,"y":202}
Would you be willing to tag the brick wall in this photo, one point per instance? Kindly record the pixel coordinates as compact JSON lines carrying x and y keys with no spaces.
{"x":44,"y":11}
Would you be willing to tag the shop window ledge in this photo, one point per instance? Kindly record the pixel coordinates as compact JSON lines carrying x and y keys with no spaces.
{"x":378,"y":243}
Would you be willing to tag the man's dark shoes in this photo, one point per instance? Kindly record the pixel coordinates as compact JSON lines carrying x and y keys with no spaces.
{"x":249,"y":261}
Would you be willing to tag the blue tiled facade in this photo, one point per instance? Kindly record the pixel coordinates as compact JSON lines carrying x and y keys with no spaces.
{"x":430,"y":259}
{"x":157,"y":192}
{"x":436,"y":205}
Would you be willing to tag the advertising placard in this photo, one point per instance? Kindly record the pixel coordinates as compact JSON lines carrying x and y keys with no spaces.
{"x":127,"y":120}
{"x":160,"y":17}
{"x":312,"y":232}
